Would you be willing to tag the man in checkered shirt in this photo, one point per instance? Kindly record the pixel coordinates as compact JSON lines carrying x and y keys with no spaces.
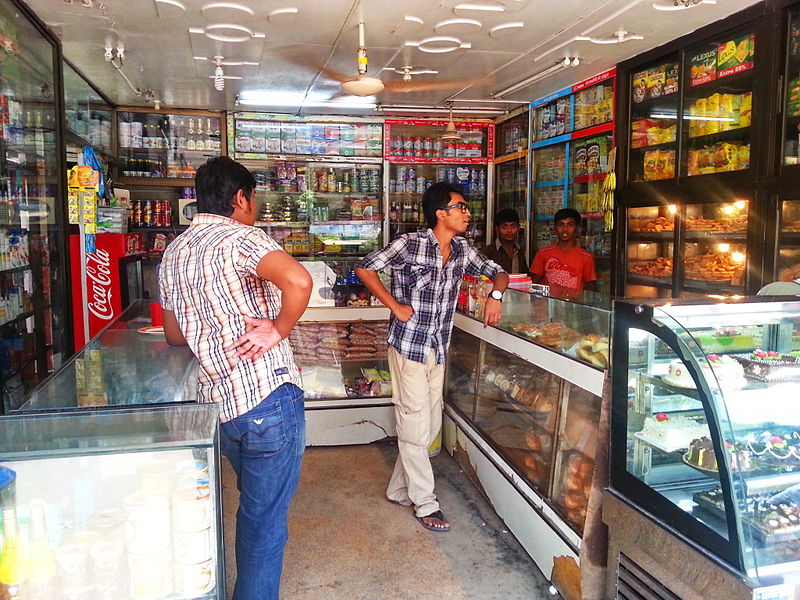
{"x":427,"y":268}
{"x":233,"y":295}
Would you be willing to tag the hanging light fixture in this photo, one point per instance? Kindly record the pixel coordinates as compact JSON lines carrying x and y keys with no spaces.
{"x":219,"y":75}
{"x":450,"y":134}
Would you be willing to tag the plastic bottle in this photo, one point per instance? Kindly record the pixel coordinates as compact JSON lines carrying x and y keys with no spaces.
{"x":12,"y":566}
{"x":41,"y":562}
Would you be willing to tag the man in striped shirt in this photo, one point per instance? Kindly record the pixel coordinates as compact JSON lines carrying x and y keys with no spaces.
{"x":233,"y":295}
{"x":427,"y":268}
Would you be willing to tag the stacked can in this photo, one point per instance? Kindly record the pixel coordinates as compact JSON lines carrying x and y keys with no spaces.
{"x":147,"y":527}
{"x":136,"y":213}
{"x":192,"y":534}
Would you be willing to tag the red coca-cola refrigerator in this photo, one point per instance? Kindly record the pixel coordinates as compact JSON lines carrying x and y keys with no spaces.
{"x":113,"y":280}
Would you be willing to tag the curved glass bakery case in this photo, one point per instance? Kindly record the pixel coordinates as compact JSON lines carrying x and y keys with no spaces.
{"x":530,"y":387}
{"x":706,"y":429}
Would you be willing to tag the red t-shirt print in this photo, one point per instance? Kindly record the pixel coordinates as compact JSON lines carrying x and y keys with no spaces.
{"x":561,"y":274}
{"x":564,"y":271}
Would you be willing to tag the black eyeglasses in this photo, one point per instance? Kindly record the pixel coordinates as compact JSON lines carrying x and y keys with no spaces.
{"x":461,"y":205}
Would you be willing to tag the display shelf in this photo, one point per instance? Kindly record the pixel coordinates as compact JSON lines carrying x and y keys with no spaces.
{"x":15,"y":269}
{"x":661,"y":146}
{"x":721,"y":136}
{"x":17,"y":319}
{"x":156,"y":181}
{"x":509,"y":157}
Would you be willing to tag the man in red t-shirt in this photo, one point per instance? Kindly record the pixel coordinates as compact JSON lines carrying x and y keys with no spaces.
{"x":564,"y":266}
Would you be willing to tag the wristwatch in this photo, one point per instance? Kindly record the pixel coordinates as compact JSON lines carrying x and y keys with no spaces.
{"x":496,"y":295}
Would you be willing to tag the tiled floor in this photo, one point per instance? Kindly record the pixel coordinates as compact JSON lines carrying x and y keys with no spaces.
{"x":346,"y":541}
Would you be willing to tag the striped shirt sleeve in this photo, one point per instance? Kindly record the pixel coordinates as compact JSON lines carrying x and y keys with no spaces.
{"x":253,"y":246}
{"x":478,"y":264}
{"x":392,"y":256}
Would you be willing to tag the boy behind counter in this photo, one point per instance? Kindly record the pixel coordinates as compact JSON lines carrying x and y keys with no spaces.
{"x":506,"y":251}
{"x":565,"y":267}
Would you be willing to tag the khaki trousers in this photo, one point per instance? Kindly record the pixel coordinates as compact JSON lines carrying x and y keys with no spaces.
{"x":417,"y":398}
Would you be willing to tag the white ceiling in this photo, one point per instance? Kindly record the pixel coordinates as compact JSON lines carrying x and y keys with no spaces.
{"x":298,"y":53}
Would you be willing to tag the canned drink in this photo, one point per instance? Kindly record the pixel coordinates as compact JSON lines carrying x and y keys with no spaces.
{"x":451,"y":175}
{"x":420,"y":185}
{"x":411,"y":173}
{"x":428,"y":147}
{"x":136,"y":213}
{"x":400,"y":186}
{"x":401,"y":173}
{"x":147,"y":213}
{"x":437,"y":147}
{"x":408,"y":146}
{"x":397,"y":145}
{"x":418,"y":146}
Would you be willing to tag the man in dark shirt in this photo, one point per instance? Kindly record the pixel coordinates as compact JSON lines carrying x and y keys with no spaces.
{"x":505,"y":250}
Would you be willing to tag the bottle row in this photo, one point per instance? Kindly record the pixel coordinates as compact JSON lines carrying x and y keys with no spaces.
{"x":25,"y":127}
{"x":435,"y":147}
{"x":171,"y":133}
{"x":174,"y":168}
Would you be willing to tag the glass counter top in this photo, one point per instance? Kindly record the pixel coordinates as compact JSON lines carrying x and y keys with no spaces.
{"x":125,"y":365}
{"x":579,"y":329}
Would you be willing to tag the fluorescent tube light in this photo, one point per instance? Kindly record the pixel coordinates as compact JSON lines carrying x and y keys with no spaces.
{"x":439,"y":110}
{"x":530,"y":80}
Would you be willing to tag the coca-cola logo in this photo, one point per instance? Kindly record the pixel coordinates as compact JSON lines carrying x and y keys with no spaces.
{"x":98,"y":277}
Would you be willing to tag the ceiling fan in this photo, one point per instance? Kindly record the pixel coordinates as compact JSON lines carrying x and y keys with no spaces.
{"x":365,"y":85}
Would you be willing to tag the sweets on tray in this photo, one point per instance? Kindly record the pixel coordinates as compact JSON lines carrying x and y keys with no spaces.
{"x":555,"y":335}
{"x":656,"y":225}
{"x":714,"y":267}
{"x":312,"y":342}
{"x":701,"y":454}
{"x":672,"y":432}
{"x":576,"y":483}
{"x":727,"y":371}
{"x":769,"y":516}
{"x":775,"y":450}
{"x":733,"y":225}
{"x":660,"y":267}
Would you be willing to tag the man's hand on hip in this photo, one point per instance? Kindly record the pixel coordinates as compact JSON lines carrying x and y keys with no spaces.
{"x":260,"y":337}
{"x":492,"y":311}
{"x":403,"y":312}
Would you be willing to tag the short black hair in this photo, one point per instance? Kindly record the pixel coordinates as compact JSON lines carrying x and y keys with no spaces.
{"x":437,"y":197}
{"x":217,"y":182}
{"x":567,"y":213}
{"x":506,"y":215}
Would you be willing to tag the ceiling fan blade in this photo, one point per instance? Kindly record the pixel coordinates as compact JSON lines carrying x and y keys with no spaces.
{"x":329,"y":73}
{"x":421,"y":86}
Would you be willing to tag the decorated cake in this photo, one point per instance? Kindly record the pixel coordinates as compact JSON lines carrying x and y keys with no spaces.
{"x":767,"y":365}
{"x":726,"y":340}
{"x":727,"y":371}
{"x":775,"y":450}
{"x":672,"y":432}
{"x":701,"y":454}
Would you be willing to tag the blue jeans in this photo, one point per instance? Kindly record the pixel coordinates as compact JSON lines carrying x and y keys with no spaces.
{"x":265,"y":447}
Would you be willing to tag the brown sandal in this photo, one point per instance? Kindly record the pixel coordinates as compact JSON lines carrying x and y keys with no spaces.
{"x":434,"y":515}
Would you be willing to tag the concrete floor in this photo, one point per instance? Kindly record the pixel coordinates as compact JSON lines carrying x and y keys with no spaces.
{"x":346,"y":541}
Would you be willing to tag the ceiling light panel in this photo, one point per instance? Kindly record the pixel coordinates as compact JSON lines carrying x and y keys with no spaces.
{"x":439,"y":44}
{"x":284,"y":16}
{"x":227,"y":32}
{"x":167,"y":9}
{"x":459,"y":25}
{"x":470,"y":9}
{"x":506,"y":30}
{"x":226,"y":11}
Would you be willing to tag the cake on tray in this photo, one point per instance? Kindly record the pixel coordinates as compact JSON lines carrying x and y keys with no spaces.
{"x":701,"y":455}
{"x":727,"y":371}
{"x":671,"y":432}
{"x":770,"y":366}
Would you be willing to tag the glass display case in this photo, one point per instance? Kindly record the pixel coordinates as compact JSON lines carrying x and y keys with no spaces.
{"x":530,"y":386}
{"x":707,"y":241}
{"x":320,"y":208}
{"x":512,"y":135}
{"x":418,"y":156}
{"x":34,"y":335}
{"x":654,"y":120}
{"x":704,"y":432}
{"x":341,"y":360}
{"x":128,"y":365}
{"x":408,"y":182}
{"x":788,"y":240}
{"x":718,"y":105}
{"x":88,"y":117}
{"x":166,"y":145}
{"x":121,"y":504}
{"x":258,"y":136}
{"x":572,"y":138}
{"x":791,"y":108}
